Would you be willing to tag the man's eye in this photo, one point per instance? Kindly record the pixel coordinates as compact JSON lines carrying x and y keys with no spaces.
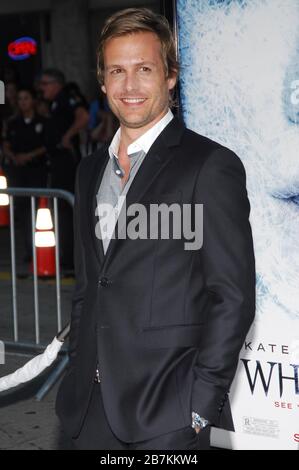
{"x":116,"y":71}
{"x":145,"y":69}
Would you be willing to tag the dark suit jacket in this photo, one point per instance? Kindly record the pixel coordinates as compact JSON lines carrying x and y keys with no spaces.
{"x":165,"y":324}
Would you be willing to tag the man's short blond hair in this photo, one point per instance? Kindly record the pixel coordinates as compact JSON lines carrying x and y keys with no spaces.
{"x":134,"y":20}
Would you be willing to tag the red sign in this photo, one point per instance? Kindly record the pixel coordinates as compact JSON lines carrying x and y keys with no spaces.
{"x":22,"y":48}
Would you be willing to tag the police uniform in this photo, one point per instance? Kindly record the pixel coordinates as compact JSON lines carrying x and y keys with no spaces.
{"x":64,"y":162}
{"x":26,"y":135}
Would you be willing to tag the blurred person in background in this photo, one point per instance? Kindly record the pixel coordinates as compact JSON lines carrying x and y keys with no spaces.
{"x":10,"y":107}
{"x":41,"y":104}
{"x":68,"y":116}
{"x":42,"y":107}
{"x":102,"y":122}
{"x":73,"y":89}
{"x":8,"y":110}
{"x":24,"y":147}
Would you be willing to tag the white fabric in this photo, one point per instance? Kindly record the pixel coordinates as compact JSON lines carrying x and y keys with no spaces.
{"x":32,"y":368}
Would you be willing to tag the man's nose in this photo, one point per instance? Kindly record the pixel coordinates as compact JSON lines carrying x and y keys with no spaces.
{"x":131,"y":81}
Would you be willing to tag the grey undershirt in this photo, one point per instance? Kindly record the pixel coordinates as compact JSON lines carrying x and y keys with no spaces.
{"x":111,"y":186}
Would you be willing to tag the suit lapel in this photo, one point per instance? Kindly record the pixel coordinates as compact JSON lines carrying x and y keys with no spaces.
{"x":156,"y":159}
{"x":98,"y":171}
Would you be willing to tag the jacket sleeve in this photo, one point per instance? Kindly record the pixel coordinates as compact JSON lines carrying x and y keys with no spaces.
{"x":80,"y":273}
{"x":227,"y":259}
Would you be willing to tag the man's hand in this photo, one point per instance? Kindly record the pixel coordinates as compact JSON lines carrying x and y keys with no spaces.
{"x":22,"y":158}
{"x":8,"y":152}
{"x":66,"y":142}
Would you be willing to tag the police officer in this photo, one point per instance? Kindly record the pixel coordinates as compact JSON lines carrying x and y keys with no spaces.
{"x":68,"y":116}
{"x":24,"y":145}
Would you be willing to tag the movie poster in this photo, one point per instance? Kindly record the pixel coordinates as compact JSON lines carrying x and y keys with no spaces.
{"x":240,"y":87}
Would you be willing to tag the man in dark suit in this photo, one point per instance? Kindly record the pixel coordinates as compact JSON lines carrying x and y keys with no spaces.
{"x":156,"y":327}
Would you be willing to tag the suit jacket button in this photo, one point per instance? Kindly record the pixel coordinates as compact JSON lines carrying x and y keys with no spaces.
{"x":104,"y":281}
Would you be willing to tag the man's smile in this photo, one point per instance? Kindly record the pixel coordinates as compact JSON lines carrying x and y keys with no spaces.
{"x":133,"y":101}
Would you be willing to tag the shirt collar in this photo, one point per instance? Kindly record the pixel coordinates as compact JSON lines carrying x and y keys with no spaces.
{"x":145,"y":141}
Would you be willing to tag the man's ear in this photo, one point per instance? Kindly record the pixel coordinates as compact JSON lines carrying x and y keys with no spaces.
{"x":172,"y":79}
{"x":103,"y":88}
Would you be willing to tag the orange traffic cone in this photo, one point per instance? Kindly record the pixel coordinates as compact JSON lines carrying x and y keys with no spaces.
{"x":4,"y":202}
{"x":44,"y":241}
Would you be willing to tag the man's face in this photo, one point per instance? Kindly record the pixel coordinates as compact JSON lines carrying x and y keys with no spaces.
{"x":134,"y":80}
{"x":50,"y":87}
{"x":25,"y":101}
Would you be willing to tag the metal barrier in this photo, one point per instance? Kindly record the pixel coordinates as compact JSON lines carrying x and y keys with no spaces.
{"x":33,"y":193}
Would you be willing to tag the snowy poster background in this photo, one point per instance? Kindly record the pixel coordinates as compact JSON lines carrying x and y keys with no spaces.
{"x":240,"y":87}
